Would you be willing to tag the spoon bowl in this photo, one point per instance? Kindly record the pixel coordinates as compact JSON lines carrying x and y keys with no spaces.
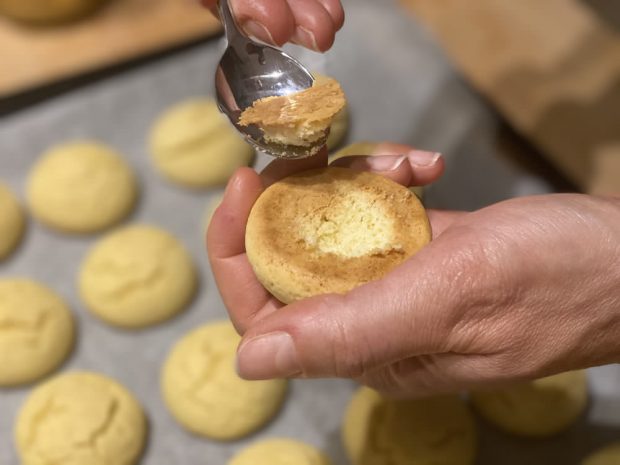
{"x":249,"y":71}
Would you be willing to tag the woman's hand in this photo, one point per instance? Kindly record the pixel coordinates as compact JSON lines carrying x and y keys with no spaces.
{"x":311,"y":23}
{"x":522,"y":289}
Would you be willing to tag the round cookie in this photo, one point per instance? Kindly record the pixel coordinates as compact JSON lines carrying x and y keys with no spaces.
{"x":81,"y":187}
{"x":280,"y":452}
{"x":80,"y":418}
{"x":137,"y":276}
{"x":204,"y":393}
{"x":539,"y":408}
{"x":47,"y":11}
{"x":608,"y":455}
{"x":194,"y":145}
{"x":36,"y":331}
{"x":378,"y":431}
{"x":12,"y":222}
{"x":331,"y":230}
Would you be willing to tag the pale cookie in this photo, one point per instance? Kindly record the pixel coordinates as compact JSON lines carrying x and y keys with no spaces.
{"x":437,"y":431}
{"x":137,"y":276}
{"x":193,"y":144}
{"x":539,"y":408}
{"x":608,"y":455}
{"x":12,"y":223}
{"x":36,"y":331}
{"x":80,"y":418}
{"x":47,"y":11}
{"x":81,"y":187}
{"x":204,"y":393}
{"x":331,"y":230}
{"x":280,"y":452}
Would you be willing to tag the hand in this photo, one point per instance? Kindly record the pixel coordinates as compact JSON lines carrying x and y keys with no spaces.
{"x":310,"y":23}
{"x":519,"y":290}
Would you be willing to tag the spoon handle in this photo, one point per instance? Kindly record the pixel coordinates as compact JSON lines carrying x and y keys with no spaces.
{"x":234,"y":35}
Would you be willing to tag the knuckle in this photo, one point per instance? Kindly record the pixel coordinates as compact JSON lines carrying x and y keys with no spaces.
{"x":352,"y":355}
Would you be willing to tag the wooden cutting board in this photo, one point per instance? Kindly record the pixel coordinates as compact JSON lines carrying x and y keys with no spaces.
{"x":551,"y":67}
{"x":122,"y":30}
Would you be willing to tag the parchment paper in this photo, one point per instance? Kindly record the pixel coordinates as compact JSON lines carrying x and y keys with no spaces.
{"x":400,"y":88}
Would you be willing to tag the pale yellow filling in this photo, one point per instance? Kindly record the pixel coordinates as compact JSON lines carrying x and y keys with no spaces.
{"x":353,"y":225}
{"x":302,"y":135}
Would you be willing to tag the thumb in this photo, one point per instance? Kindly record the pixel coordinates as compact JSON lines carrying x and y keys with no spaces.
{"x":403,"y":315}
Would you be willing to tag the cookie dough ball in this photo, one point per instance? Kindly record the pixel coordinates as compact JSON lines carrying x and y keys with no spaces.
{"x":280,"y":452}
{"x":539,"y":408}
{"x":12,"y":222}
{"x":340,"y":123}
{"x":36,"y":331}
{"x":47,"y":11}
{"x":137,"y":276}
{"x":194,"y":145}
{"x":438,"y":431}
{"x":80,"y":418}
{"x":204,"y":393}
{"x":609,"y":455}
{"x":331,"y":230}
{"x":81,"y":187}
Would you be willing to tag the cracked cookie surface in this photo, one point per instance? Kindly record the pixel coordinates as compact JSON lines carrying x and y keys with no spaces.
{"x":80,"y":418}
{"x":432,"y":431}
{"x":36,"y":331}
{"x":137,"y":276}
{"x":194,"y":145}
{"x":537,"y":408}
{"x":81,"y":187}
{"x":204,"y":393}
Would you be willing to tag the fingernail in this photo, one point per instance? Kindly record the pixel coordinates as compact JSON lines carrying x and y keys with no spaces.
{"x":422,"y":158}
{"x":303,"y":36}
{"x":272,"y":355}
{"x":259,"y":31}
{"x":385,"y":162}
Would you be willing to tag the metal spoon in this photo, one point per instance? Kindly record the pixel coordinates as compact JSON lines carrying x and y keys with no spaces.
{"x":249,"y":71}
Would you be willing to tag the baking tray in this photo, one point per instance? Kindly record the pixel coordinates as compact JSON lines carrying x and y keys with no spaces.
{"x":400,"y":88}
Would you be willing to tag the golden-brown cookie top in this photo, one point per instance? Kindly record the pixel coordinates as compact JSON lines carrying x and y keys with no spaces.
{"x":299,"y":119}
{"x":330,"y":230}
{"x":318,"y":103}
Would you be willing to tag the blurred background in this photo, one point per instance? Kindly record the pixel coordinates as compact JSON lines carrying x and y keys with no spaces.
{"x":522,"y":98}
